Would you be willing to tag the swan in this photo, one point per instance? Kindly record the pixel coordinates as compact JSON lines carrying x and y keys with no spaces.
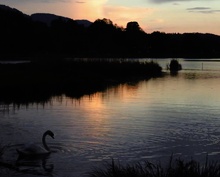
{"x":33,"y":150}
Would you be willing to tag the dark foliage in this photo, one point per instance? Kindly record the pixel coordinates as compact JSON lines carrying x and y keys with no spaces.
{"x":174,"y":65}
{"x":177,"y":168}
{"x":24,"y":37}
{"x":39,"y":81}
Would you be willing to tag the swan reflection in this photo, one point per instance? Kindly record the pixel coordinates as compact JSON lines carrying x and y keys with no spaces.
{"x":35,"y":166}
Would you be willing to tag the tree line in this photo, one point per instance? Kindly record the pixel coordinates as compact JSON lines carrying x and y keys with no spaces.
{"x":24,"y":37}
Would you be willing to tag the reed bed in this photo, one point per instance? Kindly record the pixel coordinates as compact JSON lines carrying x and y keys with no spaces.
{"x":175,"y":168}
{"x":39,"y":81}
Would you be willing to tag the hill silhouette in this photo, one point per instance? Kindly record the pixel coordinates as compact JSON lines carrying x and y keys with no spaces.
{"x":48,"y":36}
{"x":49,"y":18}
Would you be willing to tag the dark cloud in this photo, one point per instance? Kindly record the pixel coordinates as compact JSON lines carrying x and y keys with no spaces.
{"x":205,"y":10}
{"x":51,"y":1}
{"x":19,"y":2}
{"x":58,"y":0}
{"x":199,"y":8}
{"x":80,"y":2}
{"x":165,"y":1}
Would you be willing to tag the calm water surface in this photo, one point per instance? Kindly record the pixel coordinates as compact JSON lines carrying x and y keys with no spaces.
{"x":148,"y":120}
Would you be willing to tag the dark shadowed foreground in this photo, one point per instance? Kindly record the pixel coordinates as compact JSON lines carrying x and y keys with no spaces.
{"x":174,"y":168}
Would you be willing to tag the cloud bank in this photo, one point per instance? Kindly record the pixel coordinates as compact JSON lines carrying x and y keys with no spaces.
{"x":51,"y":1}
{"x":165,"y":1}
{"x":204,"y":10}
{"x":33,"y":1}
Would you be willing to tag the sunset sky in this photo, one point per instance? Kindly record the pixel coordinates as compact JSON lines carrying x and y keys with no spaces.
{"x":152,"y":15}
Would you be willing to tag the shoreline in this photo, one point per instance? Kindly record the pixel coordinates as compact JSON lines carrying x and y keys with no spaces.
{"x":25,"y":83}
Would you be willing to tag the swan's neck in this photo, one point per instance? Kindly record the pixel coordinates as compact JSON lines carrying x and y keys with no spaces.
{"x":44,"y":142}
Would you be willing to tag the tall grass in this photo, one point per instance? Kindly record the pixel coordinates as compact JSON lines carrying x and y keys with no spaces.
{"x":175,"y":168}
{"x":117,"y":67}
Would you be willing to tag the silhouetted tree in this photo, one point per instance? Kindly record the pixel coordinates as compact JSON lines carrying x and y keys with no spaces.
{"x":175,"y":65}
{"x":136,"y":42}
{"x":133,"y":27}
{"x":104,"y":38}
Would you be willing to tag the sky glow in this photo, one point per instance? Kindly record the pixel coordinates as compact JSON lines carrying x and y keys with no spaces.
{"x":170,"y":16}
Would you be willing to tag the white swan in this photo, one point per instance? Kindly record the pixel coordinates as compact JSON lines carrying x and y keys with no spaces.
{"x":33,"y":150}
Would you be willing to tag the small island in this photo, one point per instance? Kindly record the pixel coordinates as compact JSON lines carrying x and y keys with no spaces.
{"x":174,"y":66}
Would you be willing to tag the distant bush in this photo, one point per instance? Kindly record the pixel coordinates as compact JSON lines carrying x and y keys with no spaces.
{"x":175,"y":65}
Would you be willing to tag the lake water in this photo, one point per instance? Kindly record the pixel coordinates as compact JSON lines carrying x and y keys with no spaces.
{"x":149,"y":120}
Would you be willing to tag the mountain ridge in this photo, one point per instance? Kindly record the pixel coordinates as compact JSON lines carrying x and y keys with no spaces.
{"x":49,"y":17}
{"x":46,"y":18}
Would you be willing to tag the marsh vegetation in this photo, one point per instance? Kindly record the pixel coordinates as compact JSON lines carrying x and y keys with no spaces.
{"x":174,"y":168}
{"x":38,"y":81}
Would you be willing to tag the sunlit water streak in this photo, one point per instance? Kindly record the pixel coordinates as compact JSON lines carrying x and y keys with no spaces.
{"x":132,"y":122}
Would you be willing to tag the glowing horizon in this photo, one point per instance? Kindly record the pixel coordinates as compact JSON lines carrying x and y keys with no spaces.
{"x":169,"y":16}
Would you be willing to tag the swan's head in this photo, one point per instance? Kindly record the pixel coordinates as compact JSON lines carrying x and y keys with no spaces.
{"x":50,"y":133}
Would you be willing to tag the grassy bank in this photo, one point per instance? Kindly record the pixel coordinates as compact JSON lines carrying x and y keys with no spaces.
{"x":36,"y":82}
{"x":174,"y":168}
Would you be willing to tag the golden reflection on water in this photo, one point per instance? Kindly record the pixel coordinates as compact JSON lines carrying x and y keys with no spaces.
{"x":99,"y":108}
{"x":187,"y":88}
{"x":100,"y":100}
